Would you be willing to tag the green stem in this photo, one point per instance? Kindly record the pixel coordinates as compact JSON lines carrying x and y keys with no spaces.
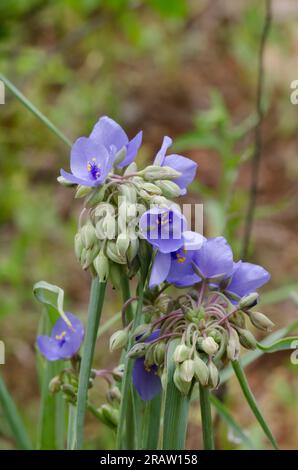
{"x":151,"y":424}
{"x":207,"y":429}
{"x":126,"y":426}
{"x":175,"y":408}
{"x":71,"y":427}
{"x":34,"y":110}
{"x":252,"y":401}
{"x":13,"y":418}
{"x":94,"y":313}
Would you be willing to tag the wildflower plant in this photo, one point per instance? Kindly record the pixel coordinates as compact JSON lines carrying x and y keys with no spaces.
{"x":176,"y":346}
{"x":172,"y":347}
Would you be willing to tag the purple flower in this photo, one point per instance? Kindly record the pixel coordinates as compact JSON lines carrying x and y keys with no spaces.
{"x":214,"y":259}
{"x":108,"y":133}
{"x":64,"y":341}
{"x":184,"y":165}
{"x":246,"y":278}
{"x":163,"y":228}
{"x":92,"y":157}
{"x":176,"y":267}
{"x":145,"y":379}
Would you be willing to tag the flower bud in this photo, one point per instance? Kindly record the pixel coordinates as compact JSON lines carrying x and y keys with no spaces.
{"x":142,"y":331}
{"x":182,"y":385}
{"x":248,"y":301}
{"x":95,"y":197}
{"x":233,"y":347}
{"x":122,"y":244}
{"x":238,"y":319}
{"x":181,"y":353}
{"x":117,"y":372}
{"x":110,"y":414}
{"x":101,"y":266}
{"x":118,"y":340}
{"x":109,"y":226}
{"x":78,"y":246}
{"x":128,"y":192}
{"x":151,"y":188}
{"x":216,"y":335}
{"x":169,"y":188}
{"x":213,"y":375}
{"x":138,"y":350}
{"x":164,"y":379}
{"x":209,"y":346}
{"x":116,"y":273}
{"x":259,"y":320}
{"x":114,"y":395}
{"x":55,"y":384}
{"x":187,"y":370}
{"x":132,"y":249}
{"x":64,"y":182}
{"x":201,"y":370}
{"x":113,"y":253}
{"x":88,"y":235}
{"x":159,"y":353}
{"x":159,"y":201}
{"x":90,"y":255}
{"x":82,"y":191}
{"x":153,"y":172}
{"x":132,"y":168}
{"x":247,"y":339}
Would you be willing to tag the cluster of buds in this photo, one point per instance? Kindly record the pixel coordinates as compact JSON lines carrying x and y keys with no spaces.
{"x":108,"y":230}
{"x":209,"y":331}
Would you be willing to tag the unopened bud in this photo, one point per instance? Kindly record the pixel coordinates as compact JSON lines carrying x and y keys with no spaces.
{"x":118,"y":340}
{"x":209,"y":346}
{"x":249,"y":300}
{"x":132,"y":249}
{"x":118,"y":372}
{"x":181,"y":353}
{"x":151,"y":188}
{"x":159,"y":353}
{"x":169,"y":188}
{"x":233,"y":347}
{"x":82,"y":191}
{"x":162,"y":303}
{"x":113,"y":253}
{"x":111,"y":414}
{"x":138,"y":350}
{"x":187,"y":370}
{"x":259,"y":320}
{"x":159,"y":173}
{"x":78,"y":246}
{"x":238,"y":319}
{"x":90,"y":255}
{"x":201,"y":370}
{"x":213,"y":375}
{"x":114,"y":395}
{"x":55,"y":384}
{"x":64,"y":182}
{"x":182,"y":385}
{"x":247,"y":339}
{"x":101,"y":266}
{"x":88,"y":235}
{"x":122,"y":244}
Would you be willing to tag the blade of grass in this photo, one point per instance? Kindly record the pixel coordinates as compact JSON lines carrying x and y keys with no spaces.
{"x":228,"y":418}
{"x":97,"y":293}
{"x":27,"y":103}
{"x":151,"y":423}
{"x":252,"y":401}
{"x":175,"y":408}
{"x":207,"y":428}
{"x":13,"y":418}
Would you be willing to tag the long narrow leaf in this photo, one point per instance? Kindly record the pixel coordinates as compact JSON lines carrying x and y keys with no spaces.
{"x":34,"y":110}
{"x":280,"y":345}
{"x":252,"y":401}
{"x":228,"y":418}
{"x":13,"y":418}
{"x":175,"y":409}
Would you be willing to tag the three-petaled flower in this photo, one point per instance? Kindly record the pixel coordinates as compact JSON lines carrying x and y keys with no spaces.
{"x":65,"y":340}
{"x":93,"y":157}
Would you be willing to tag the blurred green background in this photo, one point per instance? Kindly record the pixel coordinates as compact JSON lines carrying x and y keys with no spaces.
{"x":181,"y":68}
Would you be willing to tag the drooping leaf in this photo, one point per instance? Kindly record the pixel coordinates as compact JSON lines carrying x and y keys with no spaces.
{"x":52,"y":297}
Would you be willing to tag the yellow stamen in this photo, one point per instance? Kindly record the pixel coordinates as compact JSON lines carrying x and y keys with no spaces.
{"x":61,"y":336}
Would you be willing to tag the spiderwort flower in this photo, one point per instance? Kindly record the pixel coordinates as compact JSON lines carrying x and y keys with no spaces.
{"x":246,"y":278}
{"x":108,"y":133}
{"x":184,"y":165}
{"x":214,"y":259}
{"x":92,"y":158}
{"x":163,"y":228}
{"x":176,"y":267}
{"x":145,"y":379}
{"x":64,"y":341}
